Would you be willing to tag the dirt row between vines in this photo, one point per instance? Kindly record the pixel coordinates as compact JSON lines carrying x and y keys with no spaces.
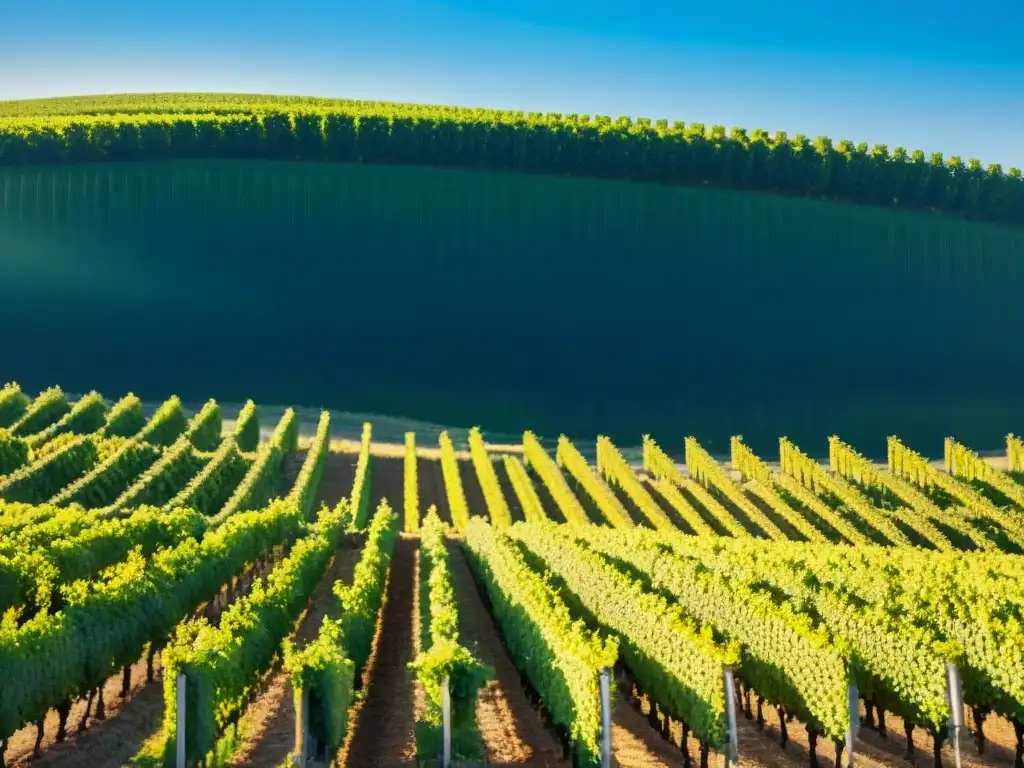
{"x":430,"y":488}
{"x":382,"y":729}
{"x":268,"y":727}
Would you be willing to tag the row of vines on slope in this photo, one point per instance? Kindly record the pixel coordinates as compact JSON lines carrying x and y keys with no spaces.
{"x":263,"y":479}
{"x":762,"y":482}
{"x":709,"y":473}
{"x":900,"y":607}
{"x":494,"y":498}
{"x":361,"y":487}
{"x":786,"y":657}
{"x":54,"y":658}
{"x":326,"y":668}
{"x":13,"y":403}
{"x":840,"y":495}
{"x":906,"y":505}
{"x":48,"y":408}
{"x":676,"y":153}
{"x":613,"y":467}
{"x":522,"y":487}
{"x":38,"y":560}
{"x":964,"y":463}
{"x":669,"y":481}
{"x":453,"y":483}
{"x":676,"y":661}
{"x":109,"y":478}
{"x":1015,"y":453}
{"x":901,"y":667}
{"x":442,"y":659}
{"x":607,"y":503}
{"x":911,"y":466}
{"x":410,"y":480}
{"x":87,"y":415}
{"x":558,"y":655}
{"x":551,"y":476}
{"x":223,"y":663}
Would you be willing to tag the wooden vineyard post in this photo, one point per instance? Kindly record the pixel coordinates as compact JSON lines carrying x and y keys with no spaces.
{"x":954,"y":693}
{"x":732,"y":747}
{"x":853,"y":705}
{"x":302,"y":729}
{"x":446,"y":718}
{"x":179,"y":734}
{"x":606,"y":718}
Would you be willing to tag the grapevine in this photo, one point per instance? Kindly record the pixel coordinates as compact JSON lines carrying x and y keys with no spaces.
{"x":559,"y":656}
{"x":362,"y":484}
{"x":571,"y":460}
{"x":537,"y":458}
{"x":411,"y":495}
{"x":497,"y":506}
{"x":763,"y":486}
{"x":668,"y":480}
{"x":453,"y":483}
{"x":708,"y":472}
{"x":522,"y":485}
{"x":612,"y":465}
{"x":964,"y":463}
{"x":814,"y":477}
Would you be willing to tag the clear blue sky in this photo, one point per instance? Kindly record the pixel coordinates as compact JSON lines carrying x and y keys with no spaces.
{"x":939,"y":75}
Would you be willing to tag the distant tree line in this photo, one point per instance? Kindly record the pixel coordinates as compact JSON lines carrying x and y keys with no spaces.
{"x":681,"y":154}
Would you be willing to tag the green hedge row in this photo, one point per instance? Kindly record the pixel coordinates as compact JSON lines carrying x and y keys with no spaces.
{"x":87,"y":415}
{"x":680,"y":153}
{"x":363,"y":483}
{"x":247,"y":427}
{"x":83,"y":554}
{"x":263,"y":480}
{"x":13,"y":452}
{"x":327,"y":667}
{"x":125,"y":418}
{"x":441,"y":654}
{"x":211,"y":488}
{"x":558,"y":655}
{"x":165,"y":478}
{"x":106,"y":481}
{"x":54,"y":658}
{"x":223,"y":664}
{"x":13,"y":403}
{"x":37,"y":483}
{"x":166,"y":424}
{"x":47,"y":409}
{"x":205,"y":427}
{"x":307,"y":482}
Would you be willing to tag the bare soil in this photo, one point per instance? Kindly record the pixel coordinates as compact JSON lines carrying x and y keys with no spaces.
{"x":473,"y":491}
{"x":337,"y":479}
{"x":430,"y":482}
{"x":108,"y":743}
{"x":636,"y":744}
{"x":387,"y":481}
{"x":383,"y":724}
